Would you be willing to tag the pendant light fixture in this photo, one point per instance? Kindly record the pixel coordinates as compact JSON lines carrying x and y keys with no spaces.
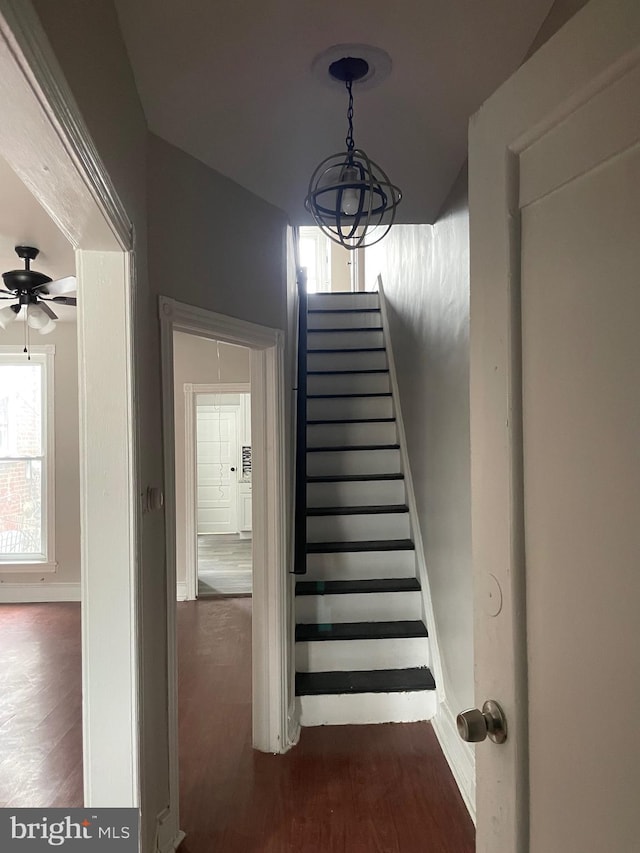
{"x":350,"y":197}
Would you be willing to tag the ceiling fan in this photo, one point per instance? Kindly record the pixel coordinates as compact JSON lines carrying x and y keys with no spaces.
{"x":32,"y":291}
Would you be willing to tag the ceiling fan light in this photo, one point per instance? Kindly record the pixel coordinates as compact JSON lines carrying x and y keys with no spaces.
{"x":36,"y":317}
{"x":47,"y":328}
{"x":7,"y":315}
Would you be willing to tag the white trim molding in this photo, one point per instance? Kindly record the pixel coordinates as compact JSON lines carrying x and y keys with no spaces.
{"x":423,"y":575}
{"x":271,"y":632}
{"x":460,"y":756}
{"x":30,"y":593}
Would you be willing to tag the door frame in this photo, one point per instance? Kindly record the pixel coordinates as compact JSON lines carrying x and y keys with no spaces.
{"x":594,"y":49}
{"x":44,"y":139}
{"x":271,"y":626}
{"x":191,"y":487}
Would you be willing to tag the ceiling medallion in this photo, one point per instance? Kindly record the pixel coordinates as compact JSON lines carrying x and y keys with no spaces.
{"x":350,"y":197}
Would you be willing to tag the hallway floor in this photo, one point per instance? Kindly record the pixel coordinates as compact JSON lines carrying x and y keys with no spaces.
{"x":348,"y":789}
{"x":224,"y":566}
{"x":345,"y":789}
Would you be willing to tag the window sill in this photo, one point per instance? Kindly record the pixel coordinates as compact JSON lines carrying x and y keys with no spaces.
{"x":26,"y":568}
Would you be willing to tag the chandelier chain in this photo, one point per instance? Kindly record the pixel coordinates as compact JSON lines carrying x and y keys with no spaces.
{"x":349,"y":140}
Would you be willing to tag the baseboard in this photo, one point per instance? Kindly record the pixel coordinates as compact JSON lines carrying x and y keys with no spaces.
{"x":181,"y":591}
{"x":24,"y":593}
{"x":460,"y":755}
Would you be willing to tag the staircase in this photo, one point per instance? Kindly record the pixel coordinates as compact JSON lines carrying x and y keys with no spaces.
{"x":362,"y":648}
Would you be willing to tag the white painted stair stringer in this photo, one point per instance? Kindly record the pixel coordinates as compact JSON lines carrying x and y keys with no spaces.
{"x":421,"y":564}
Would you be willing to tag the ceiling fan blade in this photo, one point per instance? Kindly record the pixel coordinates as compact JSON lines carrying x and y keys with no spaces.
{"x":4,"y":295}
{"x":65,"y":300}
{"x":60,"y":286}
{"x":47,"y":310}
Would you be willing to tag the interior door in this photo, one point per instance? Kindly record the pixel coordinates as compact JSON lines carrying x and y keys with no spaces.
{"x":555,"y":404}
{"x":217,"y":466}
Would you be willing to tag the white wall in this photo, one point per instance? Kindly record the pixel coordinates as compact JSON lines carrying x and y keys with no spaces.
{"x":67,"y":462}
{"x":198,"y":361}
{"x":425,"y":272}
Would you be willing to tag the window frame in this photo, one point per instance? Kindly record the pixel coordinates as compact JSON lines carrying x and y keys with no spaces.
{"x":44,"y":355}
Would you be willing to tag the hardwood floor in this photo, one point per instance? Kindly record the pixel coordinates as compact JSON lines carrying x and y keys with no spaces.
{"x":348,"y":789}
{"x":40,"y":705}
{"x":344,"y":789}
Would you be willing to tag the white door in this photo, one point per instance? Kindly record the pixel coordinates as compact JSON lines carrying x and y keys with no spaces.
{"x":555,"y":401}
{"x":217,"y":468}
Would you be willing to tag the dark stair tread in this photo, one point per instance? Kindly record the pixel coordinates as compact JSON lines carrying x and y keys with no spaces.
{"x":349,"y":329}
{"x":355,"y":587}
{"x":361,"y":631}
{"x":344,"y":448}
{"x":346,"y":396}
{"x":368,"y":681}
{"x":354,"y":421}
{"x":343,"y":310}
{"x":357,"y":510}
{"x":370,"y":545}
{"x":348,"y":349}
{"x":353,"y":478}
{"x":344,"y":372}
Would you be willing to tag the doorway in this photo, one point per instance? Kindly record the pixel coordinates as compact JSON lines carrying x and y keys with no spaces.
{"x":272,"y":725}
{"x":46,"y":143}
{"x":213,"y":468}
{"x":223,"y":492}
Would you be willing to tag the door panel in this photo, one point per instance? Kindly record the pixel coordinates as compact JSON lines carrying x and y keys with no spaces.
{"x":554,"y":225}
{"x":217,"y":454}
{"x":581,"y":407}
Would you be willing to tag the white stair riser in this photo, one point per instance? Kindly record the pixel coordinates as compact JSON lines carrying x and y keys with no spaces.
{"x":344,"y":340}
{"x":358,"y":528}
{"x":357,"y":655}
{"x":365,"y":708}
{"x":359,"y":565}
{"x":344,"y":320}
{"x":376,"y":360}
{"x":349,"y":408}
{"x":353,"y":462}
{"x":330,"y":435}
{"x":333,"y":301}
{"x":358,"y":607}
{"x":356,"y":493}
{"x":350,"y":383}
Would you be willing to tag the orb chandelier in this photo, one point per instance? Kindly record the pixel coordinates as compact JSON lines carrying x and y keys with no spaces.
{"x":350,"y":197}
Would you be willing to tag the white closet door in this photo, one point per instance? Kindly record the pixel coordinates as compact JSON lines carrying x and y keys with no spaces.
{"x":217,"y":467}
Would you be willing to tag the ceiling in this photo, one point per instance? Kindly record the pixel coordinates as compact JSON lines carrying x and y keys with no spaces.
{"x":231,"y":84}
{"x":23,"y":221}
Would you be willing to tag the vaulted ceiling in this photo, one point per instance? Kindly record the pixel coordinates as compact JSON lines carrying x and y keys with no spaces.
{"x":231,"y":84}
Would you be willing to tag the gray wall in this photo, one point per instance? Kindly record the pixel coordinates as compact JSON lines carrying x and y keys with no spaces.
{"x":198,"y":361}
{"x":425,"y":270}
{"x":213,"y":241}
{"x":67,"y":453}
{"x":198,"y":222}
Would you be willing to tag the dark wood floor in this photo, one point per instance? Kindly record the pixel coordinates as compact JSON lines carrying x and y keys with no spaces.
{"x":348,"y":789}
{"x":344,"y":789}
{"x":40,"y":705}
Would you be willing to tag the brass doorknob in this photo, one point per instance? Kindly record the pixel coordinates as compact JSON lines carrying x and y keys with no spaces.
{"x":475,"y":725}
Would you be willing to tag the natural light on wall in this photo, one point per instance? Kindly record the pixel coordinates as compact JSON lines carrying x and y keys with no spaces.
{"x":330,"y":267}
{"x":23,"y":458}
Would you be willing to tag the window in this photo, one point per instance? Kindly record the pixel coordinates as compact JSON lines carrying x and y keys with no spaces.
{"x":314,"y":255}
{"x":26,"y":459}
